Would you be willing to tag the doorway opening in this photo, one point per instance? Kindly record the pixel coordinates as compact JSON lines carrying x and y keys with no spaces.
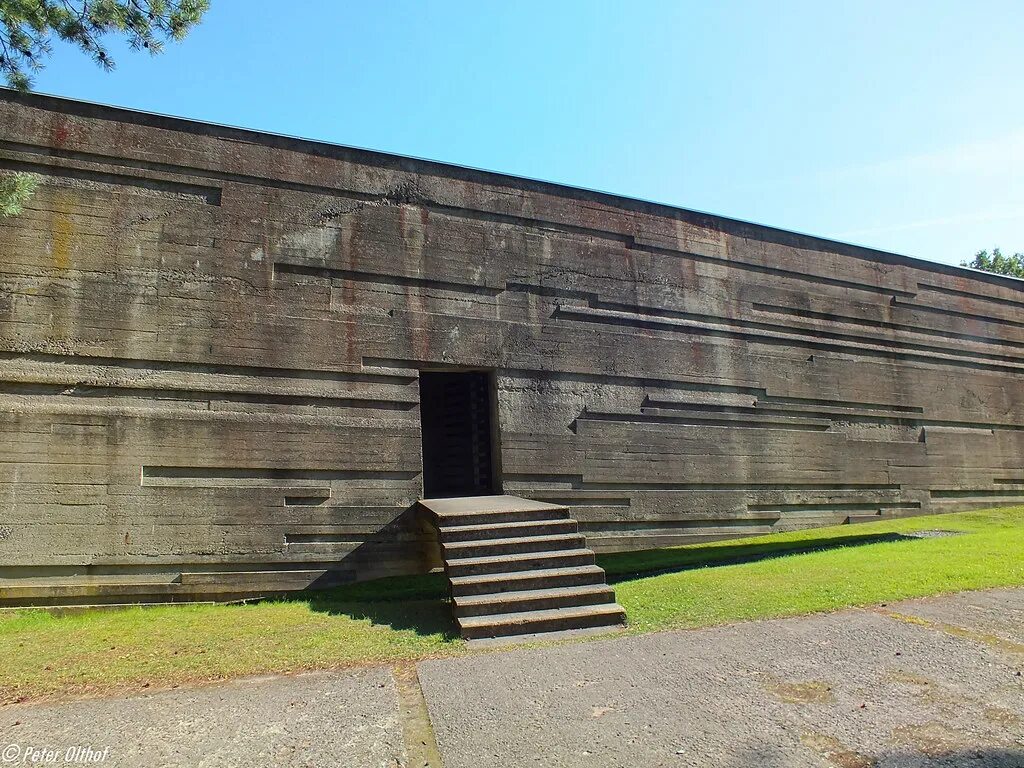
{"x":457,"y":417}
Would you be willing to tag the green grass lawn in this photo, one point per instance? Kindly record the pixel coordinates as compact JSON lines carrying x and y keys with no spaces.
{"x":404,"y":619}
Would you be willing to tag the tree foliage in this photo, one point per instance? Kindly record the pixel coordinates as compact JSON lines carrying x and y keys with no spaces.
{"x":15,"y":190}
{"x":27,"y":28}
{"x":998,"y":263}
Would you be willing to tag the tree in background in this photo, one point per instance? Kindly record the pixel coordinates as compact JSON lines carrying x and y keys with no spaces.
{"x":997,"y":262}
{"x":15,"y":191}
{"x":28,"y":26}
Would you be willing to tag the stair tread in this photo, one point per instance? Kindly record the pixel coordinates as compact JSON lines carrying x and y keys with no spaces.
{"x":550,"y":635}
{"x":552,"y":537}
{"x":527,"y":617}
{"x":504,"y":526}
{"x":531,"y":594}
{"x":485,"y":504}
{"x":526,"y":575}
{"x":518,"y":556}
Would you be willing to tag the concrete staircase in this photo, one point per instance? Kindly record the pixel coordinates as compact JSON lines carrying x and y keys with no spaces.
{"x":519,"y":568}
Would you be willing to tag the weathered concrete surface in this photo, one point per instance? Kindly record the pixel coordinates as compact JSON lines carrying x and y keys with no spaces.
{"x":991,"y":614}
{"x":848,"y":690}
{"x":317,"y":719}
{"x":211,"y":341}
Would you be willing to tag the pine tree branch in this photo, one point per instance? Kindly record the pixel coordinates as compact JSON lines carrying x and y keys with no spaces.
{"x":26,"y":27}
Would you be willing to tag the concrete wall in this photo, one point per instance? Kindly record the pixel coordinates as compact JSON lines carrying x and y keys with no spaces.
{"x":210,"y":338}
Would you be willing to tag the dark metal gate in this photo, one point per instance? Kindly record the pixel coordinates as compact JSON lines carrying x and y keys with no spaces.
{"x":455,"y":414}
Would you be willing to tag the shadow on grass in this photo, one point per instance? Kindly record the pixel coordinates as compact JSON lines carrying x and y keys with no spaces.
{"x":417,"y":603}
{"x":624,"y":566}
{"x":420,"y":603}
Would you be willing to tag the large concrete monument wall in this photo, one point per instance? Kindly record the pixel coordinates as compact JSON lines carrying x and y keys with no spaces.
{"x":210,"y":341}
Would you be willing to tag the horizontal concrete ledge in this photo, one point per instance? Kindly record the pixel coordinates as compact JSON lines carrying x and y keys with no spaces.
{"x":733,"y":226}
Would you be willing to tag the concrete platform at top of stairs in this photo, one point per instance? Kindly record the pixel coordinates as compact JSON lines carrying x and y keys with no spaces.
{"x":466,"y":504}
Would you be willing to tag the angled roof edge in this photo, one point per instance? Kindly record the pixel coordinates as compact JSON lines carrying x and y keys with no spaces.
{"x":730,"y":225}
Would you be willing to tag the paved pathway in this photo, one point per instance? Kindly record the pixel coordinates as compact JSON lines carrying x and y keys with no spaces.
{"x":922,"y":683}
{"x":318,"y":719}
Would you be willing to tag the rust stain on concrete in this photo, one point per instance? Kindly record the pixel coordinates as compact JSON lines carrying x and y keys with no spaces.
{"x":932,"y":739}
{"x":806,"y":692}
{"x":985,"y":638}
{"x":833,"y":750}
{"x":62,"y":234}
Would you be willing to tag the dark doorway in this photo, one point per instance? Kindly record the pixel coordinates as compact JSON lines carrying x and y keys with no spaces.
{"x":458,"y":442}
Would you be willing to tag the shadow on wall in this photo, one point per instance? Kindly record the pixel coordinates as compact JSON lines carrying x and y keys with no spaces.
{"x":404,"y":545}
{"x":624,"y":566}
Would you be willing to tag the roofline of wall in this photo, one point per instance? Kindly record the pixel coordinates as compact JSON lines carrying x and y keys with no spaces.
{"x":737,"y":227}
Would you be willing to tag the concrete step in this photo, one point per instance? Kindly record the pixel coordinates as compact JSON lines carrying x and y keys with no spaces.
{"x":528,"y":561}
{"x":538,"y":637}
{"x":546,"y":578}
{"x":528,"y":622}
{"x":533,"y":600}
{"x":510,"y":546}
{"x":480,"y":510}
{"x":455,"y":533}
{"x":491,"y":517}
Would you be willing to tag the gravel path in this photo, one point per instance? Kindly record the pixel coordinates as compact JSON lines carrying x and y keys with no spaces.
{"x":923,"y":683}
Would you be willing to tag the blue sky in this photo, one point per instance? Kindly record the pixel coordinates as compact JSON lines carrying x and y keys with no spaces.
{"x":894,"y":125}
